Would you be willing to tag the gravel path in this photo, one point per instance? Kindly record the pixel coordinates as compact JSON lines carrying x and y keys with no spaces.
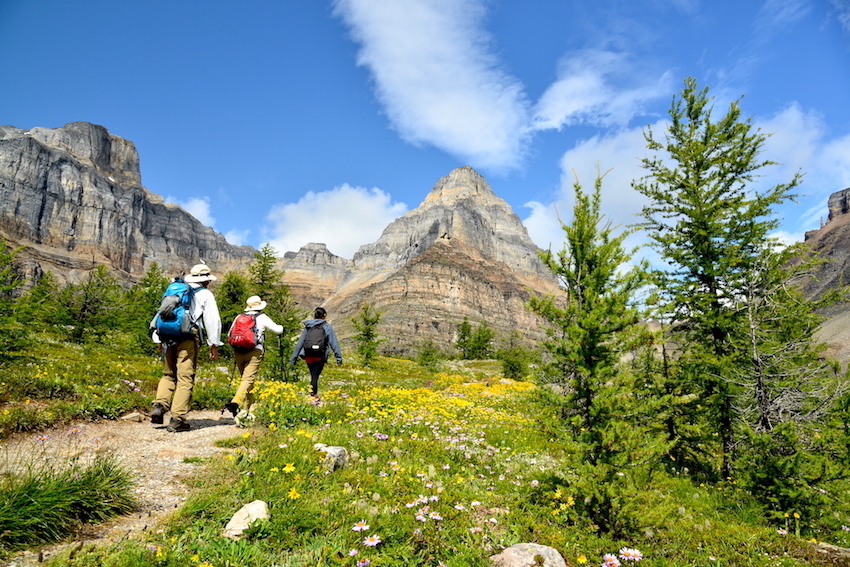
{"x":155,"y":457}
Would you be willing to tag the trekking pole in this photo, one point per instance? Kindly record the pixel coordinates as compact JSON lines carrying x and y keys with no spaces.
{"x":281,"y":366}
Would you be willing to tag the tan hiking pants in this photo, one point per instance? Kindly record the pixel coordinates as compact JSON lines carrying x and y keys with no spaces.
{"x":178,"y":377}
{"x":248,"y":365}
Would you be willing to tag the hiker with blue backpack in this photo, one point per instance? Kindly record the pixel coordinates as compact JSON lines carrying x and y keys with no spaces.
{"x":188,"y":315}
{"x":316,"y":337}
{"x":246,"y":336}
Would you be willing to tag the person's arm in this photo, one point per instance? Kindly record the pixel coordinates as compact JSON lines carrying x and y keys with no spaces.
{"x":210,"y":316}
{"x":265,"y":322}
{"x":297,"y":350}
{"x":333,"y":343}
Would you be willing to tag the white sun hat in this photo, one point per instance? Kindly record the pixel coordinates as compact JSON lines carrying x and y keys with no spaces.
{"x":255,"y":303}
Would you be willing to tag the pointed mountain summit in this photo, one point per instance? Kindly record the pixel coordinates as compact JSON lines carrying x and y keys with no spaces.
{"x":460,"y":208}
{"x":461,"y":253}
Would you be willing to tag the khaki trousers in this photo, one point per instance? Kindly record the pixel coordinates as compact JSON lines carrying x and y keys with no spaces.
{"x":248,"y":365}
{"x":174,"y":391}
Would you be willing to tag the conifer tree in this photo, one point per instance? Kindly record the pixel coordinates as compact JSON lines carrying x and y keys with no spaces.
{"x":230,"y":295}
{"x":464,"y":336}
{"x":514,"y":356}
{"x":367,"y":339}
{"x":90,"y":308}
{"x":474,"y":344}
{"x":142,"y":301}
{"x":710,"y":226}
{"x":266,"y":280}
{"x":481,"y":343}
{"x":12,"y":333}
{"x":600,"y":404}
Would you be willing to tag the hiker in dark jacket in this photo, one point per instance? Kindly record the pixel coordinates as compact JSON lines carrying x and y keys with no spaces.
{"x":316,"y":360}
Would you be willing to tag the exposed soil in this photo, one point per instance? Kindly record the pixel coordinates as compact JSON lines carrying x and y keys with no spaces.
{"x":156,"y":458}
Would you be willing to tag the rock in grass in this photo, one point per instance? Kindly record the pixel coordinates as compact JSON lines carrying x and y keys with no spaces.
{"x":526,"y":555}
{"x":134,"y":416}
{"x":244,"y":518}
{"x":335,"y":457}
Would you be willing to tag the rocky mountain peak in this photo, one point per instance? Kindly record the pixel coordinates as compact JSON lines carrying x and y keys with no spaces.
{"x":461,"y":208}
{"x":461,"y":184}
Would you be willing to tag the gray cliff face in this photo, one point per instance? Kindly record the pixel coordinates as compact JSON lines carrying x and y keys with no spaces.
{"x":73,"y":198}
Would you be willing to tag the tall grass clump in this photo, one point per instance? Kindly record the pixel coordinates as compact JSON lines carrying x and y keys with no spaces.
{"x":42,"y":501}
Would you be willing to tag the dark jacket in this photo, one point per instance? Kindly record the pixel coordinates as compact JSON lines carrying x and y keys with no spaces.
{"x":329,"y":332}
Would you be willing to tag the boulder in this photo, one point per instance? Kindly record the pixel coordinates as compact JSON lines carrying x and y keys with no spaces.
{"x":526,"y":555}
{"x":244,"y":518}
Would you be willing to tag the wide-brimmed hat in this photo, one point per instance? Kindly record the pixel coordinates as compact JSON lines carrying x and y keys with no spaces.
{"x":255,"y":303}
{"x":200,"y":273}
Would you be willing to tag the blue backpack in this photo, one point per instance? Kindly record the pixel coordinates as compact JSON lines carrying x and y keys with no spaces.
{"x":173,"y":322}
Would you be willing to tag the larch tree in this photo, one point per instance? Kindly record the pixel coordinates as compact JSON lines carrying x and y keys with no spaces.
{"x":602,"y":410}
{"x":725,"y":283}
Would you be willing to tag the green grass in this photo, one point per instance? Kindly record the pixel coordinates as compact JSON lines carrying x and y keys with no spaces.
{"x":43,"y":504}
{"x":463,"y":450}
{"x":465,"y":453}
{"x":58,"y":382}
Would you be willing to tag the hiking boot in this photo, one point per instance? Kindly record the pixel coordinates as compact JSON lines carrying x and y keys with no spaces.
{"x":177,"y":424}
{"x":232,"y":407}
{"x":157,"y":413}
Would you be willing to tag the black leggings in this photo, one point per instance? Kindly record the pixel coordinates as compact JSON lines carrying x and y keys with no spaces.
{"x":315,"y":371}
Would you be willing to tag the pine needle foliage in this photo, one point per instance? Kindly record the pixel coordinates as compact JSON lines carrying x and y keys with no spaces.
{"x":366,"y":325}
{"x":710,"y":225}
{"x":603,"y":407}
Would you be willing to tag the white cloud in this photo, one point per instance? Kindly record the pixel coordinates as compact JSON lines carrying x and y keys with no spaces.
{"x":343,"y":218}
{"x":589,"y":91}
{"x":801,"y":141}
{"x":842,"y":12}
{"x":198,"y":208}
{"x":237,"y":237}
{"x":437,"y":78}
{"x":617,"y":156}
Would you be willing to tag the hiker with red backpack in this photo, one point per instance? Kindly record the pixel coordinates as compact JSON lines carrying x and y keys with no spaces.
{"x":246,"y":336}
{"x":187,"y":315}
{"x":313,"y":345}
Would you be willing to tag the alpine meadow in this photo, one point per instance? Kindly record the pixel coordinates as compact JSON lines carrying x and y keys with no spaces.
{"x":679,"y":412}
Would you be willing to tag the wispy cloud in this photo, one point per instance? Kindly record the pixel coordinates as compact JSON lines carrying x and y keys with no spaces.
{"x":781,"y":13}
{"x":589,"y":90}
{"x":437,"y":78}
{"x":842,"y":12}
{"x":343,"y":218}
{"x":801,"y":140}
{"x":774,"y":17}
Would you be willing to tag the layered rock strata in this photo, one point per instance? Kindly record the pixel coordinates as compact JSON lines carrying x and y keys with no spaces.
{"x":73,"y":198}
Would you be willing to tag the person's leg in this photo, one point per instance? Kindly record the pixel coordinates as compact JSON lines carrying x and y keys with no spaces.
{"x":315,"y":372}
{"x":168,"y":382}
{"x":249,"y":365}
{"x":186,"y":356}
{"x":166,"y":386}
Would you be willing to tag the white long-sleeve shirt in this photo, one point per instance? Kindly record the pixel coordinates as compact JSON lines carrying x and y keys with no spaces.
{"x":264,"y":322}
{"x":203,"y":310}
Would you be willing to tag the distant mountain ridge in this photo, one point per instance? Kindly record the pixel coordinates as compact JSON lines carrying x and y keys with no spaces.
{"x":72,"y":197}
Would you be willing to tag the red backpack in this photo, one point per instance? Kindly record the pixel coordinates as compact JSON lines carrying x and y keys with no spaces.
{"x":243,"y":336}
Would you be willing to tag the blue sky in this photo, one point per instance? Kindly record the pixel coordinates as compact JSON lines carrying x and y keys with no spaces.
{"x":296,"y":121}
